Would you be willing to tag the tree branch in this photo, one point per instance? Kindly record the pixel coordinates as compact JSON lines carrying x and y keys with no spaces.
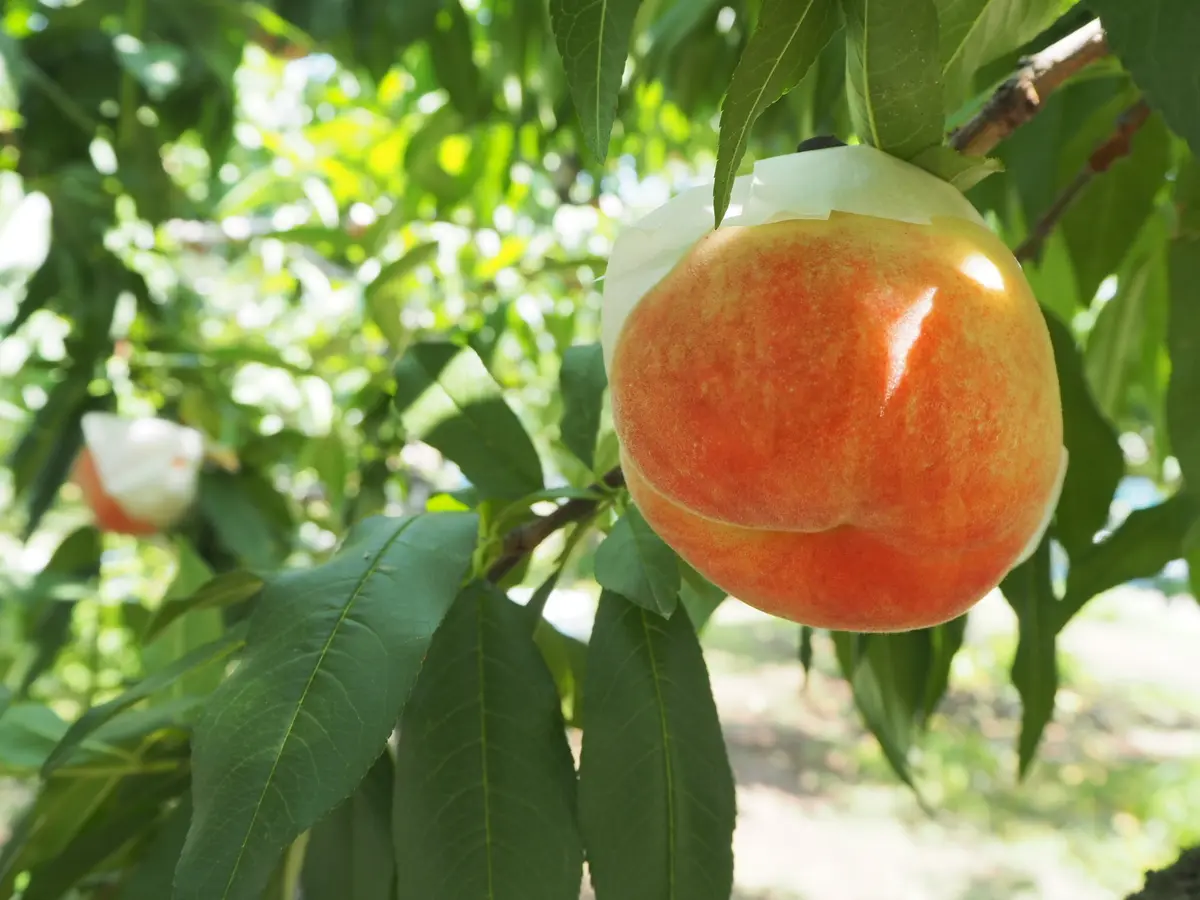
{"x":1021,"y":97}
{"x":1015,"y":102}
{"x":526,"y":538}
{"x":1116,"y":146}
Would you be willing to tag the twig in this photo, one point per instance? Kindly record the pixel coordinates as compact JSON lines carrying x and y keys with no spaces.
{"x":524,"y":539}
{"x":1020,"y":98}
{"x":1015,"y":102}
{"x":1116,"y":146}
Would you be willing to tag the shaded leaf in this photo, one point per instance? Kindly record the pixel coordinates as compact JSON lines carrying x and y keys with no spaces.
{"x":656,"y":791}
{"x":99,"y":715}
{"x":151,"y":876}
{"x":1183,"y":344}
{"x":699,"y":596}
{"x":330,"y":659}
{"x":786,"y":42}
{"x":582,"y":380}
{"x":894,"y":83}
{"x":129,"y":812}
{"x":451,"y":45}
{"x":1096,"y":462}
{"x":1104,"y":221}
{"x":448,"y":399}
{"x":566,"y":657}
{"x":635,"y":562}
{"x":1117,"y":346}
{"x":593,"y":40}
{"x":887,"y":673}
{"x":1138,"y":548}
{"x":226,"y":589}
{"x":974,"y":32}
{"x":349,"y":854}
{"x":1029,"y":592}
{"x":249,"y":516}
{"x":485,"y":784}
{"x":1158,"y":45}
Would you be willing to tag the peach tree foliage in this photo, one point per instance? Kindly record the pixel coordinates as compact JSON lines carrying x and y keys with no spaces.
{"x":370,"y":715}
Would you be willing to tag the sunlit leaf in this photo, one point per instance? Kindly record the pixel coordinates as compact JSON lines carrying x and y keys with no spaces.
{"x":593,"y":39}
{"x":974,"y":32}
{"x":786,"y":42}
{"x":893,"y":74}
{"x":448,"y":399}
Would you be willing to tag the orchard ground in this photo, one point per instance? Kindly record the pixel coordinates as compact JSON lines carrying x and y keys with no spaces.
{"x":822,"y":818}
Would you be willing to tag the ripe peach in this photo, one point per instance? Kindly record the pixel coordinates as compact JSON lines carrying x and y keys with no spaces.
{"x":138,"y":476}
{"x":841,"y":406}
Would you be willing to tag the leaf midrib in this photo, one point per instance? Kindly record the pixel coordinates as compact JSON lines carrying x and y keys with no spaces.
{"x":483,"y":755}
{"x":666,"y":738}
{"x":744,"y":133}
{"x":333,"y":632}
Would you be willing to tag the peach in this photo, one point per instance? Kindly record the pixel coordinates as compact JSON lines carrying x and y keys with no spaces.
{"x":138,"y":476}
{"x":841,"y":406}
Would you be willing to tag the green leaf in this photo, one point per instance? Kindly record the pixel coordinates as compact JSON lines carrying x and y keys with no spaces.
{"x":1116,"y":354}
{"x":894,"y":83}
{"x":1138,"y":548}
{"x":945,"y":641}
{"x":1102,"y":224}
{"x":186,"y":633}
{"x":1029,"y":592}
{"x":226,"y":589}
{"x":787,"y":40}
{"x":656,"y":792}
{"x":1096,"y":462}
{"x":699,"y":596}
{"x":150,"y":878}
{"x":1183,"y":343}
{"x":249,"y":516}
{"x":593,"y":40}
{"x":804,"y":651}
{"x":448,"y":399}
{"x":99,"y":715}
{"x":1157,"y":44}
{"x":330,"y":659}
{"x":635,"y":562}
{"x":975,"y":32}
{"x":582,"y":380}
{"x":961,"y":170}
{"x":451,"y":47}
{"x":128,"y":813}
{"x":385,"y":296}
{"x":566,"y":657}
{"x":887,"y":673}
{"x":349,"y":854}
{"x":485,"y":783}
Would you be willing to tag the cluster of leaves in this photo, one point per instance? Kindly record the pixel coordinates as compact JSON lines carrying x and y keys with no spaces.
{"x":382,"y":719}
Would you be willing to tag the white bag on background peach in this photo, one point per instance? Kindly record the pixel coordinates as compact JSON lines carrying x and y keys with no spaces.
{"x":139,"y":476}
